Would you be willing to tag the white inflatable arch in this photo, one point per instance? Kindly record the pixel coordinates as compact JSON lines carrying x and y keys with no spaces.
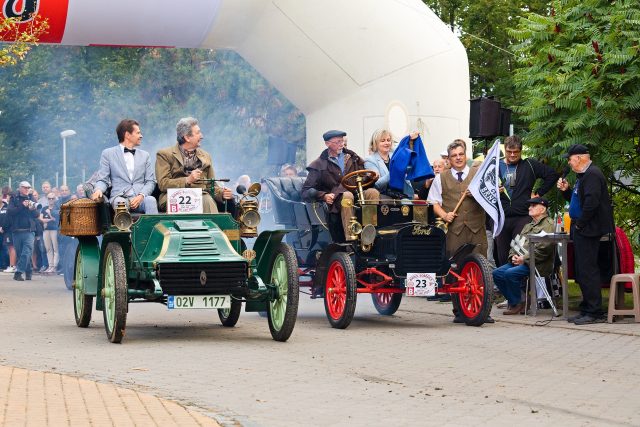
{"x":354,"y":65}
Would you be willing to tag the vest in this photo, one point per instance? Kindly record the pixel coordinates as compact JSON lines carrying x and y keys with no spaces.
{"x":470,"y":213}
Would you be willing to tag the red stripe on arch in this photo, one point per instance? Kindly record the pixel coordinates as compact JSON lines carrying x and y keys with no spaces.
{"x":53,"y":11}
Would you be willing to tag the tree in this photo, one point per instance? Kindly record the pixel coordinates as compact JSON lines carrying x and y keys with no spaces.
{"x":19,"y":38}
{"x":578,"y":81}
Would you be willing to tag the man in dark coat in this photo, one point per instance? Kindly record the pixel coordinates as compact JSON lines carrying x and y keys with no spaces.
{"x":23,"y":213}
{"x":326,"y":173}
{"x":591,"y":218}
{"x":518,"y":178}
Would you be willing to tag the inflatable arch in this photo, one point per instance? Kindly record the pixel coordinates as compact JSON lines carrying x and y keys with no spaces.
{"x":353,"y":65}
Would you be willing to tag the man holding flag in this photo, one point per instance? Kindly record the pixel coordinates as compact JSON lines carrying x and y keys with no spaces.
{"x":464,"y":215}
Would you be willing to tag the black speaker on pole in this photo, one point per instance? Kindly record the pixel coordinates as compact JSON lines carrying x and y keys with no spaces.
{"x":505,"y":121}
{"x":484,"y":119}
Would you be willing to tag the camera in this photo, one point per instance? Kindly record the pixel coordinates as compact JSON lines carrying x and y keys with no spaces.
{"x":34,"y":205}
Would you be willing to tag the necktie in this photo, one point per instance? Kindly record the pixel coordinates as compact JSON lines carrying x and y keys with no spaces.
{"x":459,"y":176}
{"x":132,"y":150}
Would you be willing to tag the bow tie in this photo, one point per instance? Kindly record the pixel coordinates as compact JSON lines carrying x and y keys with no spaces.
{"x":132,"y":151}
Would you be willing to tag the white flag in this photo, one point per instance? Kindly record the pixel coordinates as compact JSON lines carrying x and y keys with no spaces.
{"x":485,"y":187}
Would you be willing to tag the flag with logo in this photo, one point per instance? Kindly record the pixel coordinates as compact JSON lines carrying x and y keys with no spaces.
{"x":485,"y":187}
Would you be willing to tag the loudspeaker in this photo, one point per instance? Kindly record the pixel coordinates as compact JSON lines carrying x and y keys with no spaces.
{"x":505,"y":121}
{"x":484,"y":118}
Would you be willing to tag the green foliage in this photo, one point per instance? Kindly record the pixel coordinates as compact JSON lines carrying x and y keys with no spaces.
{"x":578,"y":81}
{"x":90,"y":89}
{"x":21,"y":38}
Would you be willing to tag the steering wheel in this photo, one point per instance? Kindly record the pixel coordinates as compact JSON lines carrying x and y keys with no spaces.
{"x":349,"y":181}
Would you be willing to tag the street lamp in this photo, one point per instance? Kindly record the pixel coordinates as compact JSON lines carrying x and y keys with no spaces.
{"x":65,"y":134}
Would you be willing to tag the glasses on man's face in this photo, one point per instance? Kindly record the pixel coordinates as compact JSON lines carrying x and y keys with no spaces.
{"x":51,"y":198}
{"x":513,"y":152}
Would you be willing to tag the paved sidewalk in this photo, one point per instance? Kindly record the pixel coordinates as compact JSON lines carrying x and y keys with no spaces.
{"x":33,"y":398}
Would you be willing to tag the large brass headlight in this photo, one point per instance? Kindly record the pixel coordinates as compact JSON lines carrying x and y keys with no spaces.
{"x":250,"y":218}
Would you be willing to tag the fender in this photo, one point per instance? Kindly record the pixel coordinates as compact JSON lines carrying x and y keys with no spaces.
{"x":89,"y":251}
{"x":264,"y":246}
{"x":321,"y":272}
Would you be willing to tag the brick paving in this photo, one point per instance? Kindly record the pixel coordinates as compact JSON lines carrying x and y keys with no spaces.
{"x":34,"y":398}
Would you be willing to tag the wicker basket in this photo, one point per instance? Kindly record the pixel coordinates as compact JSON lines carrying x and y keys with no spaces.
{"x":79,"y":218}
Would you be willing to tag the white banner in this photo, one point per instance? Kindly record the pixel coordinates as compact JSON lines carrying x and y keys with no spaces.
{"x":485,"y":187}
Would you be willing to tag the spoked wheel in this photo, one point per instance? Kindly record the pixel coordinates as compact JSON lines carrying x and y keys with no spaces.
{"x":229,"y":316}
{"x":340,"y":290}
{"x":114,"y":286}
{"x":82,"y":304}
{"x":283,"y":311}
{"x":474,"y":305}
{"x":386,"y":304}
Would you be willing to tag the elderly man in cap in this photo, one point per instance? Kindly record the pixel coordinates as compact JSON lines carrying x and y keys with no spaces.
{"x":508,"y":278}
{"x":326,"y":172}
{"x":23,"y":213}
{"x":591,"y":218}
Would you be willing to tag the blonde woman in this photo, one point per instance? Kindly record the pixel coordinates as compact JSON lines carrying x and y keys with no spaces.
{"x":379,"y":160}
{"x":49,"y":217}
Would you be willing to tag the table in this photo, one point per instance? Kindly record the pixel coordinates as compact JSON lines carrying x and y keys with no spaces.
{"x":563,"y":240}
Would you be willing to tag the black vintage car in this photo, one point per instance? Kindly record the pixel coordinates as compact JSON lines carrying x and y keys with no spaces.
{"x":394,"y":240}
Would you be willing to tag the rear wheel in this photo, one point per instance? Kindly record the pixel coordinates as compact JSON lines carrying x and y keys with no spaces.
{"x":386,"y":304}
{"x":474,"y":304}
{"x":229,"y":316}
{"x":82,"y":304}
{"x":282,"y":312}
{"x":340,"y":290}
{"x":114,"y":287}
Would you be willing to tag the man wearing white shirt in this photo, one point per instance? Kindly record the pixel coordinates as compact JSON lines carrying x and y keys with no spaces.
{"x":128,"y":171}
{"x":467,"y":225}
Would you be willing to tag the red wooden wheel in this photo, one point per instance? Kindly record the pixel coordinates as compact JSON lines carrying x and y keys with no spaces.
{"x":340,"y":290}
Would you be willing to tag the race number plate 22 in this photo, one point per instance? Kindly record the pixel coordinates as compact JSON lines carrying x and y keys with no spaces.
{"x":177,"y":302}
{"x":421,"y":284}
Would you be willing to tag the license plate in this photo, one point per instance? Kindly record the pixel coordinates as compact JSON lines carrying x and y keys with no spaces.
{"x":178,"y":302}
{"x":421,"y":284}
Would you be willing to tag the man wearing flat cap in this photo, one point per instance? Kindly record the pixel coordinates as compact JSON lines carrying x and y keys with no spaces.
{"x":23,"y":213}
{"x":326,"y":172}
{"x":591,"y":218}
{"x":508,"y":278}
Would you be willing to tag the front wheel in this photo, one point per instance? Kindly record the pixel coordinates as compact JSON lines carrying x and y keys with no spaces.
{"x":229,"y":316}
{"x":282,"y":311}
{"x":114,"y":287}
{"x":340,"y":290}
{"x":386,"y":304}
{"x":474,"y":304}
{"x":82,"y":304}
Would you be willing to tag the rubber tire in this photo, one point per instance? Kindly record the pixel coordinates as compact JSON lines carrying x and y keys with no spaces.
{"x":82,"y":304}
{"x":120,"y":300}
{"x":388,"y":308}
{"x":229,"y":316}
{"x":290,"y":299}
{"x":481,"y":266}
{"x":342,"y":262}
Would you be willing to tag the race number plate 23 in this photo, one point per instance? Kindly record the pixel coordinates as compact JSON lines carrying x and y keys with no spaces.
{"x":421,"y":284}
{"x":176,"y":302}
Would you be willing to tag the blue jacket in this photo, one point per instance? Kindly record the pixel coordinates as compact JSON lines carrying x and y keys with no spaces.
{"x":374,"y":162}
{"x":409,"y":164}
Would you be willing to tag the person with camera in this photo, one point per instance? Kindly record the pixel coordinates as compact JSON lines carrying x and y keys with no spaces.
{"x":518,"y":178}
{"x":23,"y":212}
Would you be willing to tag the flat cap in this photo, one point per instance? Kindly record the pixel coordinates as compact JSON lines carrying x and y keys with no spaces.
{"x":25,"y":184}
{"x":332,"y":134}
{"x":576,"y":149}
{"x":538,"y":201}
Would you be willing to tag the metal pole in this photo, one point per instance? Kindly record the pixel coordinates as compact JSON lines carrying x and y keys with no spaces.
{"x":64,"y":161}
{"x":57,"y":185}
{"x":84,"y":175}
{"x":10,"y":183}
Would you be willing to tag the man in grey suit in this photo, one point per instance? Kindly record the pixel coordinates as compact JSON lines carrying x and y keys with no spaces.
{"x":128,"y":171}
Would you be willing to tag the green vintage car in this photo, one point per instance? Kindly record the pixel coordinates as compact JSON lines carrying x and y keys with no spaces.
{"x":184,"y":261}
